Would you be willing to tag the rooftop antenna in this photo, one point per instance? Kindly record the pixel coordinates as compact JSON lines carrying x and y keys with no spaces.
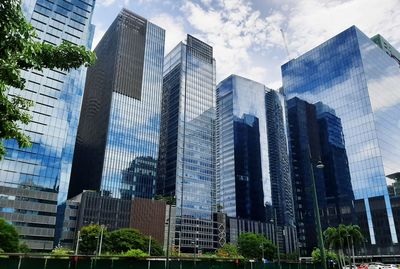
{"x":284,"y":42}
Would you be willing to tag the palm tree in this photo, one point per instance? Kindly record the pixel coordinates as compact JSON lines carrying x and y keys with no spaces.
{"x":356,"y":237}
{"x":335,"y":240}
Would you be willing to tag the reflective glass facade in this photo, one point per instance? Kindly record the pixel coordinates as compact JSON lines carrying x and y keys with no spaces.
{"x":253,"y":175}
{"x":186,"y":159}
{"x":350,"y":74}
{"x":117,"y":141}
{"x":34,"y":179}
{"x":316,"y":135}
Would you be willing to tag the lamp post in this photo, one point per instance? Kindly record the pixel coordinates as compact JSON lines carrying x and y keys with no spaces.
{"x":101,"y":238}
{"x":77,"y":243}
{"x":277,"y":239}
{"x":262,"y":251}
{"x":317,"y":216}
{"x":169,"y":202}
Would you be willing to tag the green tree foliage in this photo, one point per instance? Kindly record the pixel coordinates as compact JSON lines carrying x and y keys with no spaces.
{"x":156,"y":248}
{"x":228,"y":251}
{"x":123,"y":240}
{"x":117,"y":242}
{"x":9,"y":240}
{"x":316,"y":255}
{"x":23,"y":248}
{"x":341,"y":238}
{"x":19,"y":49}
{"x":252,"y":245}
{"x":61,"y":252}
{"x":90,"y":236}
{"x":135,"y":253}
{"x":126,"y":239}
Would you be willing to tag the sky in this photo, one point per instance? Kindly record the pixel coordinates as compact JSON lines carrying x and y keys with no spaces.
{"x":246,"y":34}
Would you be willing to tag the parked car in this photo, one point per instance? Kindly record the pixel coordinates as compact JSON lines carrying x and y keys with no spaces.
{"x":390,"y":266}
{"x":376,"y":265}
{"x":348,"y":267}
{"x":363,"y":266}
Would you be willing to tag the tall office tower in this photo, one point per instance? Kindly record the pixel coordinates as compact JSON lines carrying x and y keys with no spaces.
{"x":33,"y":180}
{"x":186,"y":159}
{"x":279,"y":164}
{"x":252,"y":152}
{"x":117,"y":142}
{"x":350,"y":74}
{"x":339,"y":191}
{"x":316,"y":135}
{"x":387,"y":47}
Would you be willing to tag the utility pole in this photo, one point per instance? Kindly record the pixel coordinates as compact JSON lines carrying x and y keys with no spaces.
{"x":316,"y":208}
{"x":148,"y":263}
{"x":101,"y":238}
{"x":277,"y":239}
{"x":170,"y":202}
{"x":77,"y":243}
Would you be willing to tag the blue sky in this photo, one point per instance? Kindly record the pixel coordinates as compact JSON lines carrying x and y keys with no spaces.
{"x":246,"y":34}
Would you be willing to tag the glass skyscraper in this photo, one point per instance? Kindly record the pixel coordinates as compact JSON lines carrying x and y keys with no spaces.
{"x":357,"y":79}
{"x":186,"y":159}
{"x":117,"y":141}
{"x":33,"y":180}
{"x":316,"y":135}
{"x":253,"y":170}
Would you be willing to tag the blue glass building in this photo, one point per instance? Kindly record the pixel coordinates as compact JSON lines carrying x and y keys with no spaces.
{"x":316,"y":135}
{"x":357,"y":79}
{"x":33,"y":180}
{"x":253,"y":175}
{"x":187,"y":153}
{"x":117,"y":141}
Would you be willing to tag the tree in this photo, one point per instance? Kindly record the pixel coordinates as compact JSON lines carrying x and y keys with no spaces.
{"x":338,"y":238}
{"x":228,"y":251}
{"x":330,"y":255}
{"x":90,"y":236}
{"x":356,"y":237}
{"x":335,"y":238}
{"x":253,"y":245}
{"x":20,"y":50}
{"x":156,"y":248}
{"x":9,"y":240}
{"x":135,"y":253}
{"x":23,"y":248}
{"x":126,"y":239}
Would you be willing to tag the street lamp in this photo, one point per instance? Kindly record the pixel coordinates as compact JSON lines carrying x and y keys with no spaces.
{"x":262,"y":251}
{"x":319,"y":165}
{"x":169,"y":202}
{"x":102,"y":227}
{"x":274,"y":220}
{"x":77,"y":243}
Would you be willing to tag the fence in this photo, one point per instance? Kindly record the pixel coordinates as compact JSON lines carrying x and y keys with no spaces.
{"x":24,"y":262}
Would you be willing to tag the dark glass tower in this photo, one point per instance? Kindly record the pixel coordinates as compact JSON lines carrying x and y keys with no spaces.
{"x":316,"y":135}
{"x":186,"y":160}
{"x":34,"y":180}
{"x":357,"y":79}
{"x":253,"y":171}
{"x":305,"y":152}
{"x":249,"y":185}
{"x":117,"y":142}
{"x":339,"y":192}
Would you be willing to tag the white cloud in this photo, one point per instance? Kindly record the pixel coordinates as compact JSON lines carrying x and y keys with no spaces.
{"x":311,"y":22}
{"x":105,"y":2}
{"x":236,"y":31}
{"x":248,"y":42}
{"x":174,"y":30}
